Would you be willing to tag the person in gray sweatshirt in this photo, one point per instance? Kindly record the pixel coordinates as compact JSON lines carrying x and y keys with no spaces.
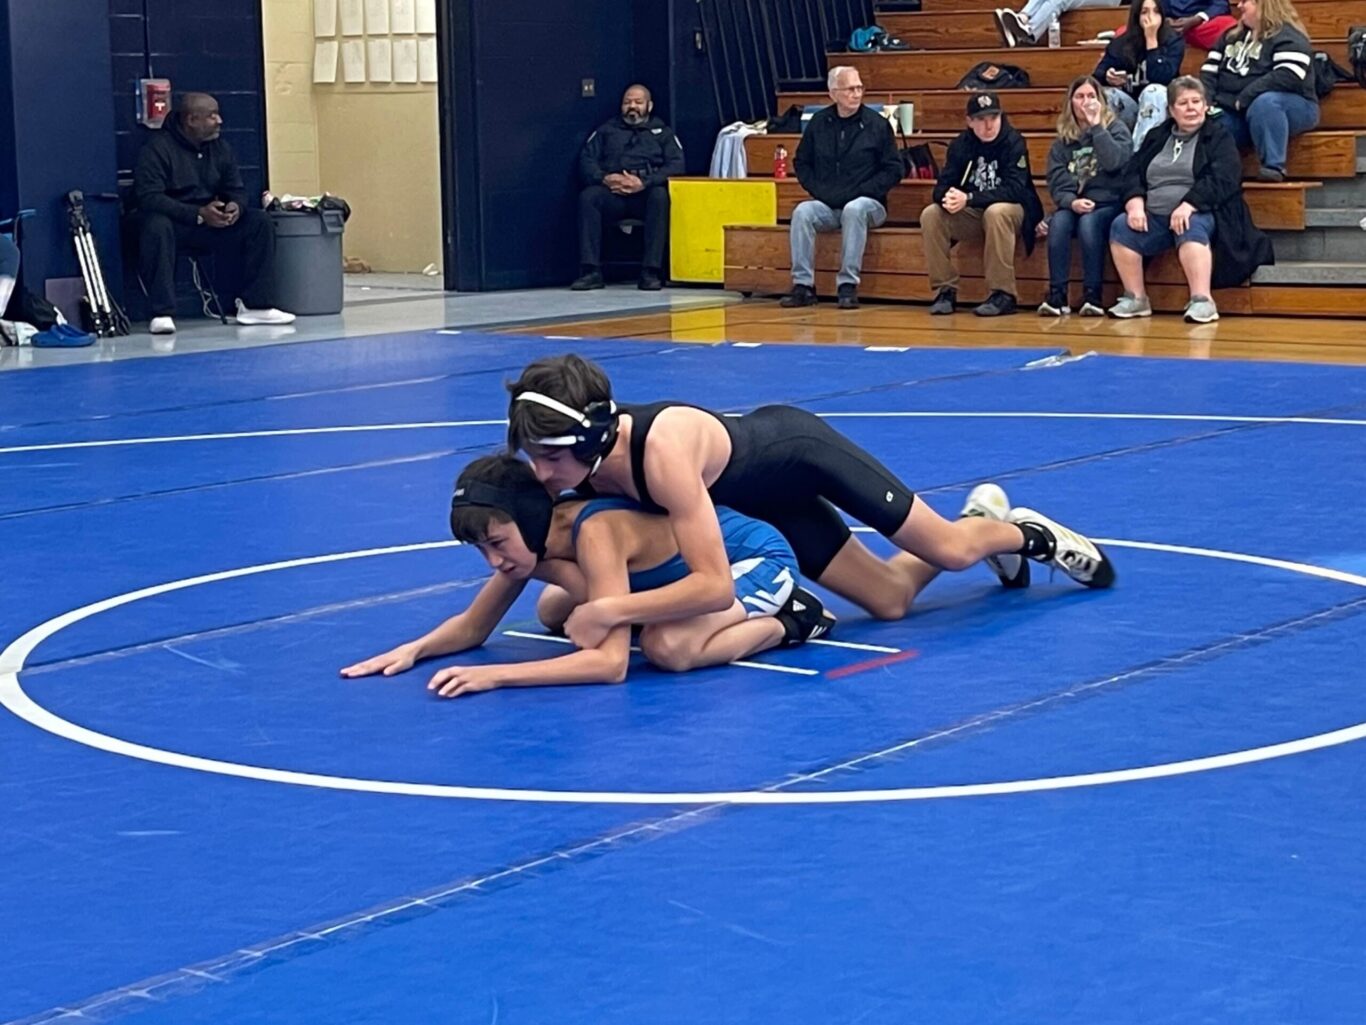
{"x":1086,"y":179}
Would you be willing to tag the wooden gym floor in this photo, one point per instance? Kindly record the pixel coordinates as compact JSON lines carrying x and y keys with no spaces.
{"x":1294,"y":339}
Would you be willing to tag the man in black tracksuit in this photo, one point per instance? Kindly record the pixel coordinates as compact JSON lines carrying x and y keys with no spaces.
{"x":624,"y":170}
{"x":190,"y":196}
{"x":848,"y":162}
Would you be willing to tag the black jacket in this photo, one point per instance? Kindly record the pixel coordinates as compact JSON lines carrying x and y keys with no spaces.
{"x":649,"y":150}
{"x":1156,"y":67}
{"x":175,"y":177}
{"x":993,"y":172}
{"x":842,"y":159}
{"x":1238,"y":70}
{"x":1239,"y":247}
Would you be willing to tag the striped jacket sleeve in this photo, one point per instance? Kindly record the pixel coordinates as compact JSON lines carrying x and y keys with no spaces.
{"x":1292,"y":62}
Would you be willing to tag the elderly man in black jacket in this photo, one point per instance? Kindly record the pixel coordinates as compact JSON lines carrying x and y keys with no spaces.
{"x":190,"y":196}
{"x":848,"y":162}
{"x":625,"y":169}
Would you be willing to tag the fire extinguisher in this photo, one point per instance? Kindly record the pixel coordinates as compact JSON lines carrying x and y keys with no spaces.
{"x":780,"y":162}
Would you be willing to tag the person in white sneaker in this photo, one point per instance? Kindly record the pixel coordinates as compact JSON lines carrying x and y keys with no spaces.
{"x":1185,"y":192}
{"x":190,"y":198}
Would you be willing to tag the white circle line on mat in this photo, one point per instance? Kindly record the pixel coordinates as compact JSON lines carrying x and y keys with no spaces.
{"x":57,"y":446}
{"x":13,"y":697}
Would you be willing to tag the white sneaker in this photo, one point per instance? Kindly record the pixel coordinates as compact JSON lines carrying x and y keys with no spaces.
{"x":989,"y":501}
{"x":162,"y":326}
{"x":1077,"y":556}
{"x":250,"y":318}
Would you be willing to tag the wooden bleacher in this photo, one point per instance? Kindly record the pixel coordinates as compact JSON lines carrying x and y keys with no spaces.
{"x":949,"y":41}
{"x":1036,"y":110}
{"x":1274,"y":206}
{"x":952,"y":29}
{"x":1314,"y":155}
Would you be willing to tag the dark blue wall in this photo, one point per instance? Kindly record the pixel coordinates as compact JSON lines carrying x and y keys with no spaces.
{"x":529,"y":58}
{"x":211,"y":47}
{"x":9,"y":184}
{"x":516,"y":77}
{"x":57,"y":80}
{"x":201,"y":47}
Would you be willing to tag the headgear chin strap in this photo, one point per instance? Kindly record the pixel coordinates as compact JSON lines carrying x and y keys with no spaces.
{"x":595,"y":433}
{"x":527,"y":503}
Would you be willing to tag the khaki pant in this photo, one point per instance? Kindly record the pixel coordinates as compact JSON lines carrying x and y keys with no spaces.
{"x":998,"y":226}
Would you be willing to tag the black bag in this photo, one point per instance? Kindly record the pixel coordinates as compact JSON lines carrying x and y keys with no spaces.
{"x":1327,"y":74}
{"x":1356,"y":52}
{"x":989,"y":76}
{"x":789,"y":123}
{"x":31,"y":309}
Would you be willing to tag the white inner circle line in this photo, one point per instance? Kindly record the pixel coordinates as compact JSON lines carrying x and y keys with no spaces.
{"x":13,"y":697}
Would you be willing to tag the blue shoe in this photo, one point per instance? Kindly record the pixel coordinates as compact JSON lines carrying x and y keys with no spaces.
{"x":62,"y":336}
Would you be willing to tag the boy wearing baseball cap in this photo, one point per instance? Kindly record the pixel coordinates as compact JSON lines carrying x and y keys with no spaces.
{"x":985,"y":192}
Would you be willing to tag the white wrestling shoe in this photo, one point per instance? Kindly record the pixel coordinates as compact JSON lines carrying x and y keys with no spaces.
{"x":1079,"y":557}
{"x":989,"y":501}
{"x":162,"y":326}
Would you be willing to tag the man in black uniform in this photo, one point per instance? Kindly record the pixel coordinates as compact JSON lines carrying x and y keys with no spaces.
{"x":625,"y":169}
{"x":190,"y":195}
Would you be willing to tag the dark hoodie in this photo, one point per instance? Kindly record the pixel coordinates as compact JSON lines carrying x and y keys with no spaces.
{"x":175,"y":177}
{"x":649,"y":150}
{"x":993,"y":172}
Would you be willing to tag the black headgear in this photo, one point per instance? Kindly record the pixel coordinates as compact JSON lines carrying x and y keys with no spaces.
{"x":594,"y":433}
{"x":526,"y":502}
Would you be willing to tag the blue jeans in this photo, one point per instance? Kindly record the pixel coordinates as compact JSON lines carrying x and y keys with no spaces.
{"x":1268,"y":124}
{"x":852,"y":221}
{"x":1143,"y":114}
{"x":1040,"y":13}
{"x":1159,"y":237}
{"x":1093,"y":230}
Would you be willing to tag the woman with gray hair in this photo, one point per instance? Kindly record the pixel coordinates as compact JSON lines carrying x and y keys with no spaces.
{"x":1184,"y":190}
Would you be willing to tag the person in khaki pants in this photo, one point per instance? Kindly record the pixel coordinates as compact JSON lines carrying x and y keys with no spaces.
{"x":985,"y":192}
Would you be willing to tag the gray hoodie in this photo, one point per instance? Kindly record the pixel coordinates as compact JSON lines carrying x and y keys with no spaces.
{"x":1092,"y":167}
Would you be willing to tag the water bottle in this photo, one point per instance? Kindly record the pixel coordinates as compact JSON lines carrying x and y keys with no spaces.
{"x":780,"y":162}
{"x":1054,"y":33}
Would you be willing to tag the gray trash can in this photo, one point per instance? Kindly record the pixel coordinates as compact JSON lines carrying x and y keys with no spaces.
{"x":308,"y":260}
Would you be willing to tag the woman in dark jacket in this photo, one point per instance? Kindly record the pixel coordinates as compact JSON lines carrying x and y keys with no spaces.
{"x":1261,"y":78}
{"x":1185,"y":190}
{"x":1086,"y":167}
{"x":1137,"y":66}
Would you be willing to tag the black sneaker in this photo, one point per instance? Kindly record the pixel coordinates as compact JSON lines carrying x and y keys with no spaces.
{"x":804,"y":618}
{"x":944,"y":302}
{"x":802,"y":295}
{"x":998,"y":304}
{"x":587,"y":281}
{"x":650,"y":281}
{"x":848,"y":297}
{"x":1270,"y":174}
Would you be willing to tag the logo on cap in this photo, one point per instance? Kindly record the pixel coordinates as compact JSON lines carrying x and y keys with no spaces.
{"x":984,"y":101}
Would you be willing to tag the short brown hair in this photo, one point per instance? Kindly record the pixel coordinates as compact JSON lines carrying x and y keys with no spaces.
{"x":568,"y":379}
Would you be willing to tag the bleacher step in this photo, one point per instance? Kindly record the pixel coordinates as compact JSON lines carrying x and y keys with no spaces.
{"x":1337,"y":217}
{"x":1340,"y":242}
{"x":1311,"y":272}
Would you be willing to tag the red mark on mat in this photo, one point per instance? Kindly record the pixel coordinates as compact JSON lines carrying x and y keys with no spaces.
{"x":872,"y":663}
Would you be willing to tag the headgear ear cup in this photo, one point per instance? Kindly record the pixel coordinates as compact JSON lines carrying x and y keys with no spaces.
{"x":595,"y":428}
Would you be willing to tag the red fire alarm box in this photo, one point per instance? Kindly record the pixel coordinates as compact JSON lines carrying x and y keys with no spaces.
{"x":154,"y":101}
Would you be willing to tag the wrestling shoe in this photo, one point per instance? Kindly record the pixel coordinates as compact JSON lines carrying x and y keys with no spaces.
{"x":804,"y":618}
{"x":990,"y":502}
{"x":1080,"y":558}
